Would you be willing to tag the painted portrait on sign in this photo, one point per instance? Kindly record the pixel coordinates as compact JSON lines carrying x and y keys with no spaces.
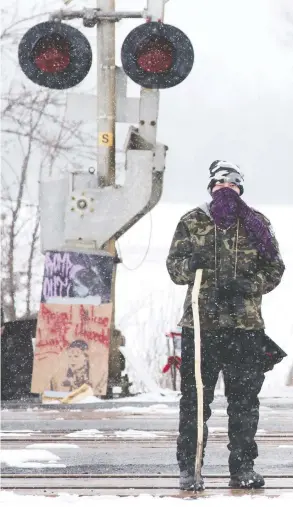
{"x":77,"y":369}
{"x":77,"y":278}
{"x":72,"y":348}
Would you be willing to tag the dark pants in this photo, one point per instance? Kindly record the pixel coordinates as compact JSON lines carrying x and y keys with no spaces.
{"x":238,"y":354}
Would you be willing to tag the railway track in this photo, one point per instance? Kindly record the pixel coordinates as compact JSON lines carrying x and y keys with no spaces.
{"x":110,"y":436}
{"x":131,"y":485}
{"x":87,"y":484}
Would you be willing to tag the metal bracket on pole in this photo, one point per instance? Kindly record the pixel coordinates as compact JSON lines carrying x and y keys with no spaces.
{"x":148,"y":114}
{"x":127,"y":108}
{"x":82,"y":107}
{"x":85,"y":219}
{"x":155,"y":10}
{"x":91,"y":17}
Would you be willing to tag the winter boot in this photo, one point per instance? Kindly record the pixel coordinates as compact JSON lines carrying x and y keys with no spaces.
{"x":246,"y":478}
{"x":187,"y":481}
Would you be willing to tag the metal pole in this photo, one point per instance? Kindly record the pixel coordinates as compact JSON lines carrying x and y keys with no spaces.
{"x":106,"y":96}
{"x":150,"y":99}
{"x":106,"y":115}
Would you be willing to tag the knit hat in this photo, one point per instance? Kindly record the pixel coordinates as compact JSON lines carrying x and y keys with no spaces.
{"x":225,"y":172}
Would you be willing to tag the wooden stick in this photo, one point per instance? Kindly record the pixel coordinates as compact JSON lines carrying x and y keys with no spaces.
{"x":198,"y":378}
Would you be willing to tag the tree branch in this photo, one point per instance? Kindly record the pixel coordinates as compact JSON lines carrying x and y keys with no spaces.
{"x":33,"y":244}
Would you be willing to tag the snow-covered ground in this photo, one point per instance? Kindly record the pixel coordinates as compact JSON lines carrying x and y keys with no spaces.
{"x":8,"y":499}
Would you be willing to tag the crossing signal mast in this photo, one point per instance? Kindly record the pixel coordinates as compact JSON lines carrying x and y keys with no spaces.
{"x":86,"y":211}
{"x":58,"y":56}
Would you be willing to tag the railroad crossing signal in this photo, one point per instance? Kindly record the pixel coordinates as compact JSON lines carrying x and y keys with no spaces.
{"x":57,"y":55}
{"x":155,"y":55}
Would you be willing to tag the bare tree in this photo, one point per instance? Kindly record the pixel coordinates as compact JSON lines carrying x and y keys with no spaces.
{"x":37,"y":139}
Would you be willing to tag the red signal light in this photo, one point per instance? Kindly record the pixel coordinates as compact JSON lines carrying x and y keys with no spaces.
{"x":156,"y":57}
{"x":55,"y":55}
{"x":52,"y":54}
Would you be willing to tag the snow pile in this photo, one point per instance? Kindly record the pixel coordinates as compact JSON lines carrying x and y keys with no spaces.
{"x":130,"y":433}
{"x":275,"y":391}
{"x":86,"y":434}
{"x":27,"y":432}
{"x":12,"y":500}
{"x":24,"y":458}
{"x":165,"y":395}
{"x":89,"y":399}
{"x":52,"y":445}
{"x":136,"y":434}
{"x":152,"y":409}
{"x":18,"y":433}
{"x":156,"y":395}
{"x":61,"y":395}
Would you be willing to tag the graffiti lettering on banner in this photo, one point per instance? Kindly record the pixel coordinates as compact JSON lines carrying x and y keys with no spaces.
{"x":72,"y":277}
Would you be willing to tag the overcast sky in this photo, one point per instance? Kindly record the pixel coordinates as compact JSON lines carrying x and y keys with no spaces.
{"x":237,"y":104}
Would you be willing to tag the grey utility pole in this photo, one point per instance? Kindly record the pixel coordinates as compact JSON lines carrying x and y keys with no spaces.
{"x":106,"y":121}
{"x":106,"y":95}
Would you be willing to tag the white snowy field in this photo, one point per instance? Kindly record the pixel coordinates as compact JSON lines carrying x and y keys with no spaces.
{"x":8,"y":499}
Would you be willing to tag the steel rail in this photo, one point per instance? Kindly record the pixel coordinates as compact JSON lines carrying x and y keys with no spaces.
{"x":125,"y":476}
{"x":161,"y":434}
{"x":123,"y":485}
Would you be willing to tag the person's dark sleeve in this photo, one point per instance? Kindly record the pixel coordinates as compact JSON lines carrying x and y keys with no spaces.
{"x":179,"y":255}
{"x":270,"y":273}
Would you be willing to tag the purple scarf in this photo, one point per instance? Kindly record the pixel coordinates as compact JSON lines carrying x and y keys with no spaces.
{"x":227,"y":207}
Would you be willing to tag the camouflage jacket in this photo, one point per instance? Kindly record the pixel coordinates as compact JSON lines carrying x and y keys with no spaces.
{"x":196,"y":231}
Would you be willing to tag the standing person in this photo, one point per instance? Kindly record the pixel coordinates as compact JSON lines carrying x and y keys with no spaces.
{"x":235,"y":247}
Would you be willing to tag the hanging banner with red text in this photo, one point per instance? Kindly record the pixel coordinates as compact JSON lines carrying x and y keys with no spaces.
{"x":73,"y":328}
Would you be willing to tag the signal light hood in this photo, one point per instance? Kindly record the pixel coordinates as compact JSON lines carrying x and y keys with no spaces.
{"x":55,"y":55}
{"x":155,"y":55}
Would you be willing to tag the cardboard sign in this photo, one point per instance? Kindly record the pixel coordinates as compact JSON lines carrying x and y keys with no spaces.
{"x":72,"y":348}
